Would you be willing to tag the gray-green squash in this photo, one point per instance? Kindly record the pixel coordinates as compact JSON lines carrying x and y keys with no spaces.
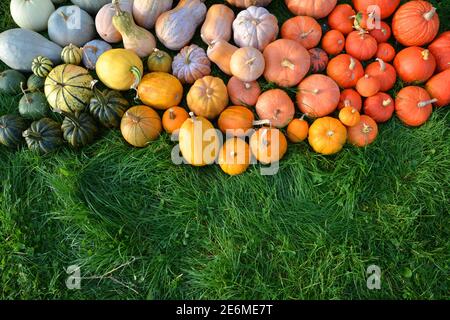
{"x":11,"y":81}
{"x":33,"y":106}
{"x":11,"y":128}
{"x":79,"y":129}
{"x":91,"y":6}
{"x":35,"y":83}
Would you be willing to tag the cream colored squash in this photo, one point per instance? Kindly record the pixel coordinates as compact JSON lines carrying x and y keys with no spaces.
{"x":220,"y":52}
{"x":218,"y":24}
{"x":31,"y":14}
{"x":146,"y":12}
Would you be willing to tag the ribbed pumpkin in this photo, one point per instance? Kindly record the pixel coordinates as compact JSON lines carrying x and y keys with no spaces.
{"x":364,"y":133}
{"x":350,"y":98}
{"x":275,"y":106}
{"x":41,"y":66}
{"x":173,"y":118}
{"x":268,"y":145}
{"x":297,"y":130}
{"x":415,"y":64}
{"x":11,"y":128}
{"x":44,"y":136}
{"x":68,"y":88}
{"x":108,"y":107}
{"x":140,"y":125}
{"x":317,"y":9}
{"x":333,"y":42}
{"x":159,"y":61}
{"x":349,"y":116}
{"x":208,"y":97}
{"x":35,"y":83}
{"x":305,"y":30}
{"x":368,"y":86}
{"x":243,"y":93}
{"x":327,"y":135}
{"x":319,"y":60}
{"x":247,"y":64}
{"x":381,"y":33}
{"x":440,"y":48}
{"x":160,"y":90}
{"x":345,"y":70}
{"x":361,"y":45}
{"x":236,"y":121}
{"x":438,"y":88}
{"x":11,"y":81}
{"x":71,"y":54}
{"x":341,"y":18}
{"x":318,"y":96}
{"x":385,"y":73}
{"x":387,"y":7}
{"x":385,"y":52}
{"x":379,"y":107}
{"x":413,"y":106}
{"x":78,"y":129}
{"x":234,"y":156}
{"x":191,"y":64}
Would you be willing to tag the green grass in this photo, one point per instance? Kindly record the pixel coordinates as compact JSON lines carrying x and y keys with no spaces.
{"x":143,"y":228}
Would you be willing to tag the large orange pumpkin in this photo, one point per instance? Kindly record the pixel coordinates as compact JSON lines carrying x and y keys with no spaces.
{"x":327,"y":135}
{"x":387,"y":7}
{"x":361,"y":45}
{"x":140,"y":125}
{"x":208,"y":97}
{"x":415,"y":65}
{"x":364,"y":133}
{"x":234,"y":156}
{"x":341,"y":18}
{"x":440,"y":48}
{"x":384,"y":72}
{"x":305,"y":30}
{"x":318,"y":96}
{"x":345,"y":70}
{"x":268,"y":145}
{"x":413,"y":106}
{"x":379,"y":107}
{"x":317,"y":9}
{"x":236,"y":121}
{"x":243,"y":93}
{"x":276,"y":106}
{"x":160,"y":90}
{"x":438,"y":88}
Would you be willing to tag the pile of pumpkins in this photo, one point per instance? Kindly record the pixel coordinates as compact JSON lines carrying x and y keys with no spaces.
{"x":341,"y":75}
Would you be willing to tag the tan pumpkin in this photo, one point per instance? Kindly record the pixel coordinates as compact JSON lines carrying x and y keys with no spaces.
{"x":208,"y":97}
{"x":236,"y":121}
{"x":145,"y":12}
{"x":247,"y":64}
{"x":220,"y":52}
{"x":191,"y":64}
{"x":243,"y":93}
{"x":268,"y":145}
{"x":140,"y":125}
{"x":275,"y":106}
{"x":249,"y":3}
{"x":218,"y":24}
{"x":255,"y":27}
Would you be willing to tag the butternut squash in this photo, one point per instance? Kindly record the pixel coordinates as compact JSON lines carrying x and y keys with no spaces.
{"x":220,"y":52}
{"x":218,"y":24}
{"x":145,"y":12}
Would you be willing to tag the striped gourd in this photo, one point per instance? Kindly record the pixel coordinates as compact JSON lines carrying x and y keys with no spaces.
{"x":72,"y":55}
{"x":11,"y":128}
{"x":44,"y":136}
{"x":108,"y":107}
{"x":41,"y":66}
{"x":68,"y":88}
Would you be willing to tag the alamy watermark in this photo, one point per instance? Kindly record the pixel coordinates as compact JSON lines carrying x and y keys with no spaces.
{"x":374,"y":277}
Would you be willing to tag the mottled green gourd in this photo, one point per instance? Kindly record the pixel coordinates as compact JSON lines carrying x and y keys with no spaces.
{"x":108,"y":107}
{"x":44,"y":136}
{"x":11,"y":128}
{"x":10,"y":81}
{"x":159,"y":61}
{"x":79,"y":129}
{"x":33,"y":106}
{"x":41,"y":66}
{"x":72,"y":55}
{"x":35,"y":83}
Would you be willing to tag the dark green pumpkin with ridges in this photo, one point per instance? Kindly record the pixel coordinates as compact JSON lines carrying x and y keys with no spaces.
{"x":10,"y":81}
{"x":108,"y":107}
{"x":11,"y":128}
{"x":79,"y":129}
{"x":35,"y":83}
{"x":44,"y":136}
{"x":33,"y":106}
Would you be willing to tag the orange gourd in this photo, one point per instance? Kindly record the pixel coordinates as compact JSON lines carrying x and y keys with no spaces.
{"x":361,"y":45}
{"x":385,"y":73}
{"x":236,"y":121}
{"x":413,"y":106}
{"x":220,"y":52}
{"x":440,"y":48}
{"x":379,"y":107}
{"x":415,"y":64}
{"x":140,"y":125}
{"x":385,"y":52}
{"x":160,"y":90}
{"x":381,"y":33}
{"x":350,"y":98}
{"x":268,"y":145}
{"x":327,"y":136}
{"x":317,"y":9}
{"x":297,"y":130}
{"x":305,"y":30}
{"x":319,"y":60}
{"x":243,"y":93}
{"x":438,"y":88}
{"x":208,"y":97}
{"x":345,"y":70}
{"x":364,"y":133}
{"x":333,"y":42}
{"x":276,"y":106}
{"x":341,"y":18}
{"x":349,"y":116}
{"x":173,"y":118}
{"x":234,"y":156}
{"x":368,"y":86}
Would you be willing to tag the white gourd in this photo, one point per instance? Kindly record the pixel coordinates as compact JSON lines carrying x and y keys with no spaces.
{"x":31,"y":14}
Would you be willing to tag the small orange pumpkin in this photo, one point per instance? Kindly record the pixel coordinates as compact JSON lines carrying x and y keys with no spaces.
{"x":350,"y":98}
{"x":413,"y":106}
{"x":236,"y":121}
{"x":341,"y":18}
{"x":234,"y":156}
{"x":318,"y":96}
{"x":276,"y":106}
{"x":333,"y":42}
{"x":379,"y":107}
{"x":415,"y":64}
{"x":243,"y":93}
{"x":297,"y":130}
{"x":438,"y":87}
{"x":140,"y":125}
{"x":361,"y":45}
{"x":327,"y":136}
{"x":208,"y":97}
{"x":364,"y":133}
{"x":303,"y":29}
{"x":385,"y":52}
{"x":381,"y":34}
{"x":368,"y":86}
{"x":268,"y":145}
{"x":349,"y":116}
{"x":173,"y":118}
{"x":345,"y":70}
{"x":385,"y":73}
{"x":160,"y":90}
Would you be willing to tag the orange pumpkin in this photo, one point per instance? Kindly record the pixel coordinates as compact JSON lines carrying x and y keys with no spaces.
{"x":341,"y":18}
{"x":297,"y":130}
{"x":319,"y":60}
{"x":438,"y":88}
{"x":413,"y":106}
{"x":350,"y":98}
{"x":345,"y":70}
{"x":361,"y":45}
{"x":243,"y":93}
{"x":140,"y":125}
{"x":327,"y":136}
{"x":268,"y":145}
{"x":160,"y":90}
{"x":333,"y":42}
{"x":349,"y":116}
{"x":364,"y":133}
{"x":305,"y":30}
{"x":368,"y":86}
{"x":173,"y":118}
{"x":208,"y":97}
{"x":236,"y":121}
{"x":387,"y":7}
{"x":234,"y":156}
{"x":440,"y":48}
{"x":287,"y":62}
{"x":276,"y":106}
{"x":318,"y":96}
{"x":415,"y":64}
{"x":379,"y":107}
{"x":385,"y":52}
{"x":381,"y":34}
{"x":317,"y":9}
{"x":247,"y":64}
{"x":385,"y":73}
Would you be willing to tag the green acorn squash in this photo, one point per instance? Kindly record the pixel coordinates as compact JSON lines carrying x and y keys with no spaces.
{"x":44,"y":136}
{"x":33,"y":105}
{"x":79,"y":129}
{"x":35,"y":83}
{"x":10,"y":81}
{"x":11,"y":128}
{"x":108,"y":107}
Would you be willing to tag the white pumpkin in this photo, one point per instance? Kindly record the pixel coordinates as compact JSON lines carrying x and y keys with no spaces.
{"x":255,"y":27}
{"x":31,"y":14}
{"x":191,"y":64}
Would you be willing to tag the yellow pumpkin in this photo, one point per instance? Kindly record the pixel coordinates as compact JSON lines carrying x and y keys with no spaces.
{"x":120,"y":69}
{"x":268,"y":145}
{"x":234,"y":156}
{"x":327,"y":135}
{"x":160,"y":90}
{"x":208,"y":97}
{"x":199,"y":141}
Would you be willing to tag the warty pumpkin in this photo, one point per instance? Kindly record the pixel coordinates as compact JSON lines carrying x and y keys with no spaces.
{"x":387,"y":7}
{"x":345,"y":70}
{"x":440,"y":48}
{"x":160,"y":90}
{"x":268,"y":145}
{"x":108,"y":107}
{"x":333,"y":42}
{"x":361,"y":45}
{"x":415,"y":64}
{"x":249,"y":3}
{"x":173,"y":118}
{"x":341,"y":18}
{"x":385,"y":52}
{"x":11,"y":128}
{"x":349,"y":116}
{"x":385,"y":73}
{"x":305,"y":30}
{"x":44,"y":136}
{"x":364,"y":133}
{"x":234,"y":156}
{"x":236,"y":121}
{"x":247,"y":64}
{"x":208,"y":97}
{"x":413,"y":106}
{"x":146,"y":12}
{"x":159,"y":61}
{"x":191,"y":64}
{"x":220,"y":52}
{"x":276,"y":106}
{"x":243,"y":93}
{"x":218,"y":24}
{"x":379,"y":107}
{"x":327,"y":136}
{"x":319,"y":60}
{"x":317,"y":9}
{"x":297,"y":130}
{"x":78,"y":129}
{"x":140,"y":125}
{"x":438,"y":88}
{"x":368,"y":86}
{"x":350,"y":98}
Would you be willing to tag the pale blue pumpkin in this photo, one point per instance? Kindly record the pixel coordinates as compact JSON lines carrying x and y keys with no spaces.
{"x":91,"y":6}
{"x":92,"y":51}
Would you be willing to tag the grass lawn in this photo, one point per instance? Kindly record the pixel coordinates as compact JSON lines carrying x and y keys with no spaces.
{"x":140,"y":227}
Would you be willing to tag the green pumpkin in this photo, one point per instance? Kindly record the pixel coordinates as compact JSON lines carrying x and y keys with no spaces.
{"x":79,"y":129}
{"x":11,"y":128}
{"x":72,"y":55}
{"x":41,"y":66}
{"x":33,"y":106}
{"x":108,"y":107}
{"x":44,"y":136}
{"x":10,"y":81}
{"x":159,"y":61}
{"x":35,"y":83}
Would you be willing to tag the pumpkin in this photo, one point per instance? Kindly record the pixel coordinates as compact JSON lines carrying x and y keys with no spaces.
{"x":438,"y":89}
{"x":386,"y":7}
{"x":70,"y":24}
{"x":191,"y":64}
{"x":134,"y":38}
{"x":234,"y":156}
{"x":341,"y":18}
{"x":41,"y":66}
{"x":243,"y":93}
{"x":440,"y":48}
{"x":160,"y":90}
{"x":413,"y":106}
{"x":319,"y":60}
{"x":236,"y":121}
{"x":92,"y":51}
{"x":385,"y":52}
{"x":145,"y":12}
{"x":361,"y":45}
{"x":349,"y":116}
{"x":415,"y":23}
{"x":173,"y":118}
{"x":91,"y":6}
{"x":199,"y":141}
{"x":368,"y":86}
{"x":276,"y":106}
{"x":218,"y":24}
{"x":297,"y":130}
{"x":18,"y":48}
{"x":381,"y":33}
{"x":268,"y":145}
{"x":11,"y":128}
{"x":415,"y":64}
{"x":72,"y":55}
{"x":287,"y":62}
{"x":108,"y":107}
{"x":78,"y":129}
{"x":350,"y":98}
{"x":249,"y":3}
{"x":68,"y":88}
{"x":11,"y":82}
{"x":366,"y":20}
{"x":35,"y":83}
{"x":385,"y":73}
{"x":255,"y":27}
{"x":119,"y":69}
{"x":159,"y":61}
{"x":220,"y":52}
{"x":44,"y":136}
{"x":103,"y":21}
{"x":379,"y":107}
{"x":318,"y":96}
{"x":345,"y":70}
{"x":140,"y":125}
{"x":247,"y":64}
{"x":208,"y":97}
{"x":327,"y":136}
{"x":33,"y":105}
{"x":305,"y":30}
{"x":364,"y":133}
{"x":32,"y":15}
{"x":333,"y":42}
{"x":175,"y":28}
{"x":317,"y":9}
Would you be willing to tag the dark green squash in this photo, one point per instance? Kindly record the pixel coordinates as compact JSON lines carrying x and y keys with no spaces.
{"x":10,"y":81}
{"x":79,"y":129}
{"x":108,"y":107}
{"x":35,"y":83}
{"x":11,"y":128}
{"x":44,"y":136}
{"x":33,"y":105}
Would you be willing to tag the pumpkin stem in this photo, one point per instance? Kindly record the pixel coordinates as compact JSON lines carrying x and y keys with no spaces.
{"x":209,"y":92}
{"x":382,"y":64}
{"x":330,"y":133}
{"x":133,"y":117}
{"x":24,"y":93}
{"x":137,"y":78}
{"x":306,"y":34}
{"x":187,"y":58}
{"x":171,"y":114}
{"x":277,"y":112}
{"x":352,"y":64}
{"x":288,"y":64}
{"x":303,"y":117}
{"x":425,"y":54}
{"x":233,"y":154}
{"x":426,"y":103}
{"x":250,"y":62}
{"x":98,"y":94}
{"x":247,"y":85}
{"x":366,"y":128}
{"x":159,"y":54}
{"x":116,"y":5}
{"x":430,"y":14}
{"x":387,"y":102}
{"x":347,"y":103}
